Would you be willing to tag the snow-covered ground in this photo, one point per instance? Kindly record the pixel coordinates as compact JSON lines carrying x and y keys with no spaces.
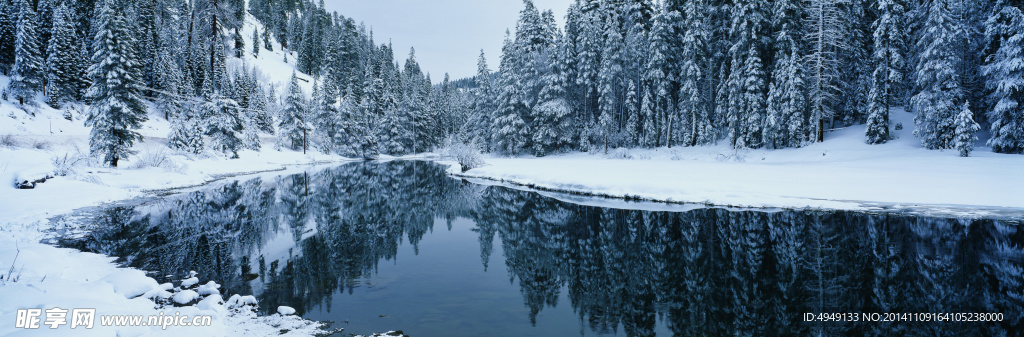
{"x":45,"y":277}
{"x":841,"y":173}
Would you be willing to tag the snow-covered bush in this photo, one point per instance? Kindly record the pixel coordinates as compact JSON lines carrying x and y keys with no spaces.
{"x":465,"y":154}
{"x":41,"y":145}
{"x":620,"y":153}
{"x":158,"y":158}
{"x":8,"y":141}
{"x":65,"y":164}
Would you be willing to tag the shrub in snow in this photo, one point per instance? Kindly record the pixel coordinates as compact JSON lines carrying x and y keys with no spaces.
{"x":8,"y":141}
{"x":468,"y":156}
{"x":65,"y":164}
{"x":158,"y":159}
{"x":620,"y":153}
{"x":41,"y":145}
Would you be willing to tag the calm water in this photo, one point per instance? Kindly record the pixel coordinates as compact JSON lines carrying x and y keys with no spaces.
{"x":399,"y":245}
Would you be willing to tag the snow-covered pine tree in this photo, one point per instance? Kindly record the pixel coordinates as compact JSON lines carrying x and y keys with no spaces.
{"x":965,"y":129}
{"x":632,"y":110}
{"x":784,"y":124}
{"x":62,"y":68}
{"x":511,"y":134}
{"x":609,"y":79}
{"x":116,"y":109}
{"x":345,"y":143}
{"x":260,"y":106}
{"x":8,"y":31}
{"x":170,"y":83}
{"x":324,"y":117}
{"x":223,"y":125}
{"x":746,"y":87}
{"x":28,"y":74}
{"x":695,"y":57}
{"x":647,"y":110}
{"x":479,"y":124}
{"x":364,"y":140}
{"x":256,"y":42}
{"x":940,"y":93}
{"x":294,"y":127}
{"x":890,"y":42}
{"x":186,"y":131}
{"x":266,"y":40}
{"x":1004,"y":73}
{"x":551,"y":116}
{"x":239,"y":44}
{"x":660,"y":75}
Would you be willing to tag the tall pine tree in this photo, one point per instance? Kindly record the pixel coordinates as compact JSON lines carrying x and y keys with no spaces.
{"x":28,"y":73}
{"x":62,"y":69}
{"x":889,"y":66}
{"x":1004,"y":72}
{"x":939,"y":89}
{"x":116,"y":109}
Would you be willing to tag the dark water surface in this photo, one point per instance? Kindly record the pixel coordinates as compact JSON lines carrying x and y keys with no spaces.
{"x":400,"y":245}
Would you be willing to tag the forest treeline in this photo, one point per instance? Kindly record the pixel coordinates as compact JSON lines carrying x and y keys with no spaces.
{"x":618,"y":73}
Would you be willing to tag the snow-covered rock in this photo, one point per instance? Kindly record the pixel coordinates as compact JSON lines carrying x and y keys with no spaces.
{"x":285,"y":310}
{"x":185,"y":297}
{"x":130,"y":282}
{"x":209,"y":288}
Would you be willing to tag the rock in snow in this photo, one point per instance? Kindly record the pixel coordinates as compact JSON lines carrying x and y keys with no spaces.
{"x":285,"y":310}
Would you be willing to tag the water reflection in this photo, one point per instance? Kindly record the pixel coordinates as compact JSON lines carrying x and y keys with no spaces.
{"x":303,"y":239}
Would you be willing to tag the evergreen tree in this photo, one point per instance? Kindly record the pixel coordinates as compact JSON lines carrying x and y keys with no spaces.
{"x":8,"y":32}
{"x":937,"y":100}
{"x":266,"y":40}
{"x":256,"y":43}
{"x":62,"y":68}
{"x":116,"y":109}
{"x":324,"y":116}
{"x":695,"y":56}
{"x":186,"y":131}
{"x":479,"y":124}
{"x":965,"y":129}
{"x":551,"y":116}
{"x":889,"y":62}
{"x":784,"y":124}
{"x":170,"y":83}
{"x":223,"y":125}
{"x":511,"y":133}
{"x":609,"y":78}
{"x":294,"y":127}
{"x":239,"y":44}
{"x":28,"y":74}
{"x":1004,"y":72}
{"x":632,"y":107}
{"x":746,"y":86}
{"x":649,"y":138}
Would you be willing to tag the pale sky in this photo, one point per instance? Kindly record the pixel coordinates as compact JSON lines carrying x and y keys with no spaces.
{"x":447,"y":34}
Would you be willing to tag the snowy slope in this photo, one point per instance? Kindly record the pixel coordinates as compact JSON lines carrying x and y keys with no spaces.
{"x":841,"y":173}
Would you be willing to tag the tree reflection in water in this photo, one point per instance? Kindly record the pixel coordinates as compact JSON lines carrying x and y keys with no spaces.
{"x":704,"y":272}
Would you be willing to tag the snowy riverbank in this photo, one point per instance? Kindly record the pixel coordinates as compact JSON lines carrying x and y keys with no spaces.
{"x":40,"y":276}
{"x":841,"y":173}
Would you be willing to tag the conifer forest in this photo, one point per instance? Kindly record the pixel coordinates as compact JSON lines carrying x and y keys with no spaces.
{"x":634,"y":74}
